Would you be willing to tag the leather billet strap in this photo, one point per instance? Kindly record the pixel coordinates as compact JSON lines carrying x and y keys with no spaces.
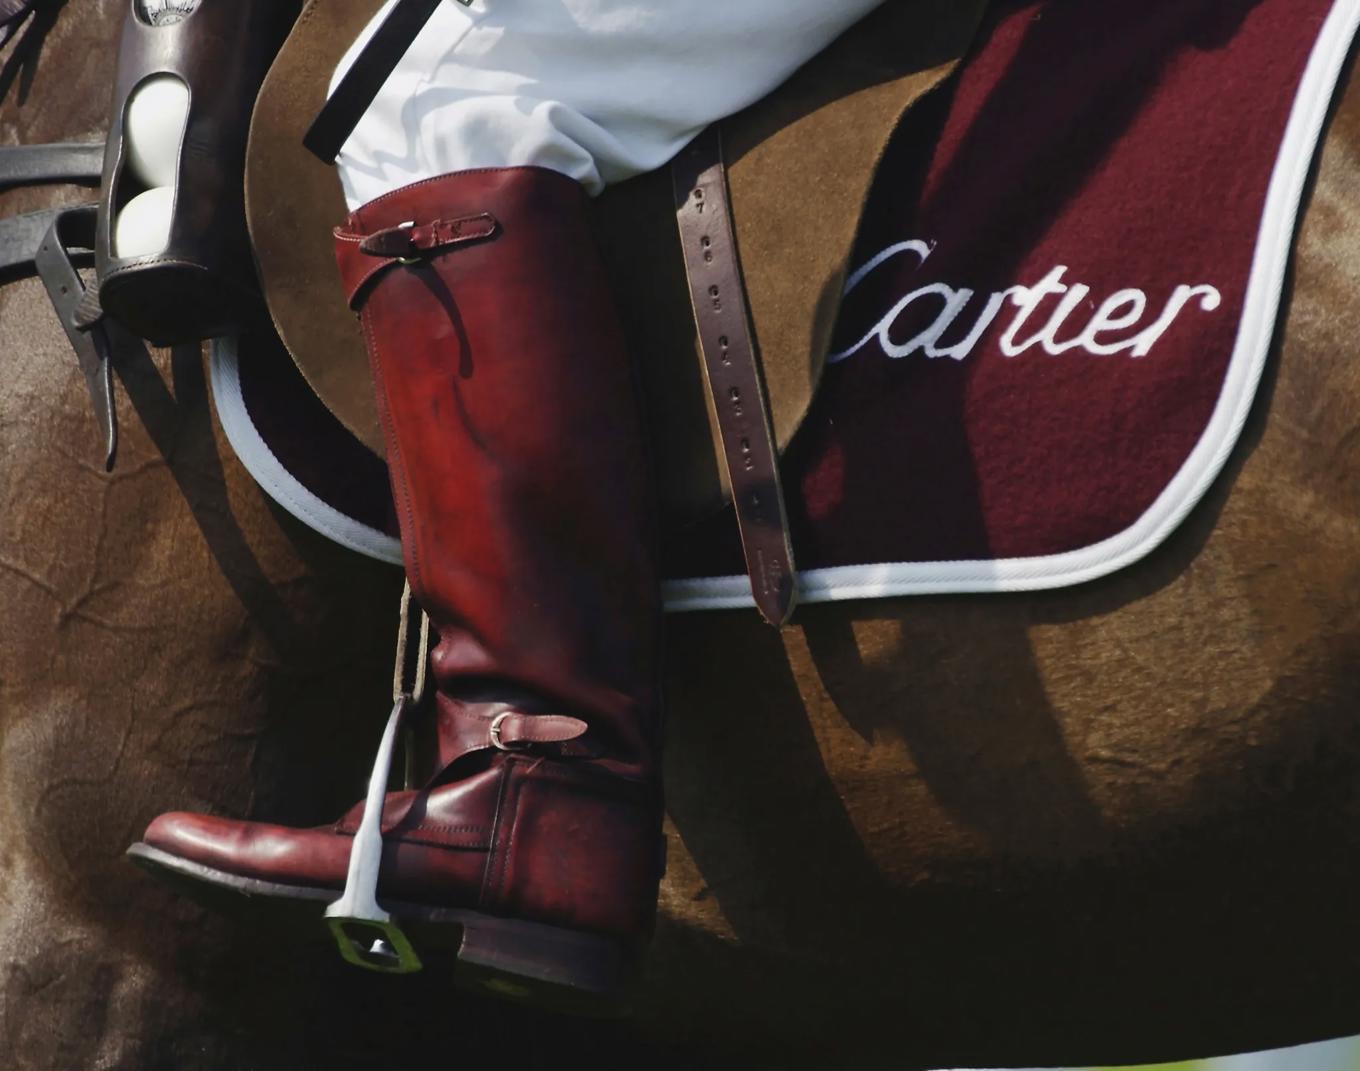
{"x":78,"y":162}
{"x":723,"y":321}
{"x":371,"y":68}
{"x":70,"y":230}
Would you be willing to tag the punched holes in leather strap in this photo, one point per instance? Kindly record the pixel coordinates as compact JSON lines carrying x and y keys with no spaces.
{"x":722,"y":319}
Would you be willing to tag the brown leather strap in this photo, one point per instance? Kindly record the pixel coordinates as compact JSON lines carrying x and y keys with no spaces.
{"x":483,"y":726}
{"x":724,"y":327}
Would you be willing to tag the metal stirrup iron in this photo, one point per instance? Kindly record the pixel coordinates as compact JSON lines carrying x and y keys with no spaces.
{"x":367,"y":935}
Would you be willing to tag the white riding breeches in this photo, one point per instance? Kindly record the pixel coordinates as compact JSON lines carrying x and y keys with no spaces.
{"x":600,"y":90}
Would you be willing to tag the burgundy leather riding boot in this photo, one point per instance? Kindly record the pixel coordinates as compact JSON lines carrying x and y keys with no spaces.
{"x":519,"y":475}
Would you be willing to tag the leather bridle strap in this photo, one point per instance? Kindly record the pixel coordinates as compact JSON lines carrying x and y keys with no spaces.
{"x":371,"y":68}
{"x":730,"y":367}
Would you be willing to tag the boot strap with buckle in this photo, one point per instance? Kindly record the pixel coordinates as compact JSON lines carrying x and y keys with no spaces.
{"x":407,"y":243}
{"x":504,"y":727}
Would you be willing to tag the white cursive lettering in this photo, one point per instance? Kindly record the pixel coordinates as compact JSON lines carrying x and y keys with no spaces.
{"x":1122,"y":311}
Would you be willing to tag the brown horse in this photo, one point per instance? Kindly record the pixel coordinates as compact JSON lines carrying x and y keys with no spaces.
{"x":1110,"y":823}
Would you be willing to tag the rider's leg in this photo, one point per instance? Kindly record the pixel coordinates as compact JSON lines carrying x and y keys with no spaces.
{"x":598,"y":91}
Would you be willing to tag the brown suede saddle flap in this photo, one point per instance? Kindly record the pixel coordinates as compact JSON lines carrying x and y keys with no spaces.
{"x":800,"y":163}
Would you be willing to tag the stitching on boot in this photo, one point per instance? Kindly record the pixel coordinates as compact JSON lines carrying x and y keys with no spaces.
{"x":495,"y":854}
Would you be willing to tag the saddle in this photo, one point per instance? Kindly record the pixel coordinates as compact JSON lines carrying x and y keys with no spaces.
{"x":791,"y":173}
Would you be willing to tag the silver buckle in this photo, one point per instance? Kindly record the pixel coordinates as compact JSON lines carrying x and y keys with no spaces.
{"x":495,"y":734}
{"x":408,"y":225}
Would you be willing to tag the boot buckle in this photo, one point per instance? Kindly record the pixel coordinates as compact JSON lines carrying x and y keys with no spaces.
{"x":495,"y":733}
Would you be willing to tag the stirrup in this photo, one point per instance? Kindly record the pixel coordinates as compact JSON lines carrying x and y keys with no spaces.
{"x":366,"y":934}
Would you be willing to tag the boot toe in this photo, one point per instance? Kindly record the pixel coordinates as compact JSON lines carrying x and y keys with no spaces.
{"x":197,"y":837}
{"x":251,"y":849}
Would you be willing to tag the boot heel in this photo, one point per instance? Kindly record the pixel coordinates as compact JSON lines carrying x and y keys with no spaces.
{"x":545,"y":964}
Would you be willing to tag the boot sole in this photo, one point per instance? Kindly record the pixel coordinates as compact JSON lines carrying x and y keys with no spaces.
{"x":529,"y":962}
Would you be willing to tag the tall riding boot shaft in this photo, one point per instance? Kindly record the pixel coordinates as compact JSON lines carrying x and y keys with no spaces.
{"x":520,"y":481}
{"x":514,"y":442}
{"x":519,"y":475}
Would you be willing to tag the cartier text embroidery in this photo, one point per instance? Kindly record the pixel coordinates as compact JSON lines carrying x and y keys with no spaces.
{"x":1107,"y":332}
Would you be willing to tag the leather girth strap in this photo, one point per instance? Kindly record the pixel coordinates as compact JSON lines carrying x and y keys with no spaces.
{"x":722,"y":318}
